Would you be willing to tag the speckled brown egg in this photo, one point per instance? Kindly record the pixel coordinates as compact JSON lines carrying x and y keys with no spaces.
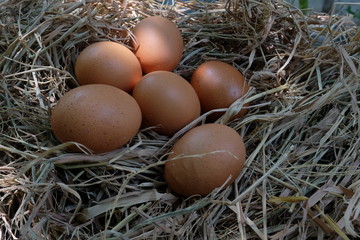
{"x":218,"y":85}
{"x":108,"y":63}
{"x":99,"y":116}
{"x":167,"y":101}
{"x":204,"y":159}
{"x":158,"y":44}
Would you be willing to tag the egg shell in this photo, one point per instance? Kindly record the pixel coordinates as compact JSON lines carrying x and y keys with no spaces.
{"x":158,"y":44}
{"x":108,"y":63}
{"x":167,"y":101}
{"x":203,"y":159}
{"x":218,"y":85}
{"x":99,"y":116}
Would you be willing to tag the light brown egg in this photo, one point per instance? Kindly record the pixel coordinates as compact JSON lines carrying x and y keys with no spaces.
{"x":108,"y":63}
{"x":158,"y":44}
{"x":218,"y":85}
{"x":101,"y":117}
{"x":204,"y":159}
{"x":167,"y":101}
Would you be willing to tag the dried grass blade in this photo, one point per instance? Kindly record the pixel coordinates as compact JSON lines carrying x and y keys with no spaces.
{"x":124,"y":200}
{"x":332,"y":223}
{"x":280,"y":161}
{"x":289,"y":199}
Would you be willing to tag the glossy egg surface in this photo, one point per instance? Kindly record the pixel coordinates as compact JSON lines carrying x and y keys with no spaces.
{"x":203,"y":159}
{"x":101,"y":117}
{"x":158,"y":44}
{"x":218,"y":85}
{"x":167,"y":101}
{"x":108,"y":63}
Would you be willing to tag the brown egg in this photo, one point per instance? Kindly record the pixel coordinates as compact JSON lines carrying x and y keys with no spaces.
{"x":203,"y":159}
{"x":108,"y":63}
{"x":158,"y":44}
{"x":218,"y":85}
{"x":101,"y":117}
{"x":167,"y":101}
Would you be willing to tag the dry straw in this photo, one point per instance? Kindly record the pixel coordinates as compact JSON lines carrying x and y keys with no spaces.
{"x":302,"y":176}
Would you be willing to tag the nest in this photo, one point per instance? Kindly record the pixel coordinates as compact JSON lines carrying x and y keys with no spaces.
{"x":302,"y":131}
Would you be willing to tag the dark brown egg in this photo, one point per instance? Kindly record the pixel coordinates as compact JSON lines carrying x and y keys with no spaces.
{"x":204,"y":159}
{"x":218,"y":85}
{"x":108,"y":63}
{"x":158,"y":44}
{"x":167,"y":101}
{"x":101,"y":117}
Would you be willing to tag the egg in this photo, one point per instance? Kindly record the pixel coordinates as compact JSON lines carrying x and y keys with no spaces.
{"x":203,"y":159}
{"x":99,"y":116}
{"x":158,"y":44}
{"x":218,"y":85}
{"x":108,"y":63}
{"x":167,"y":101}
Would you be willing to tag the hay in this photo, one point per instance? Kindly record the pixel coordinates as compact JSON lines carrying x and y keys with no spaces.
{"x":302,"y":176}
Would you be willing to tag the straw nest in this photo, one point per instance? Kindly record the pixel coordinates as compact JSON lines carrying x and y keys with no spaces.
{"x":302,"y":176}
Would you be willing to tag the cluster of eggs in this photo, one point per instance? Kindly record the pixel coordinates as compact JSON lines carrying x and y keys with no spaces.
{"x":122,"y":90}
